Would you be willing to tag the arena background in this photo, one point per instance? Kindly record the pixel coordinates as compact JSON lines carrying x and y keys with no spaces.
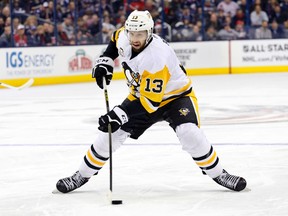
{"x":76,"y":33}
{"x":241,"y":87}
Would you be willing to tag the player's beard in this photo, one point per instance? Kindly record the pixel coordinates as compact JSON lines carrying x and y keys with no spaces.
{"x":138,"y":48}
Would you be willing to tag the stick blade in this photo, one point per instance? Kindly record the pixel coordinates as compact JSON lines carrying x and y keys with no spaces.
{"x":27,"y":84}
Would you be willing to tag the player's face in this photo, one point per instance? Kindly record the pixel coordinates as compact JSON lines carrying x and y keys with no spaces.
{"x":137,"y":39}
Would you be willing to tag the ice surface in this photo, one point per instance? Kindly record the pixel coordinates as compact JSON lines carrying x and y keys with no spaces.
{"x":45,"y":132}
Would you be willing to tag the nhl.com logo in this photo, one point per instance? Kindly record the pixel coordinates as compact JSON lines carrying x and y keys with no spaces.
{"x":80,"y":62}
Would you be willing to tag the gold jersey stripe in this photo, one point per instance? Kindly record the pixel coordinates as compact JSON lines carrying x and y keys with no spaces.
{"x":181,"y":90}
{"x":147,"y":105}
{"x":131,"y":97}
{"x":115,"y":35}
{"x":195,"y":105}
{"x":93,"y":160}
{"x":208,"y":162}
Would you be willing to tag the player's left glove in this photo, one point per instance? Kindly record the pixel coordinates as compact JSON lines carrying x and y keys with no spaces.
{"x":116,"y":117}
{"x":103,"y":69}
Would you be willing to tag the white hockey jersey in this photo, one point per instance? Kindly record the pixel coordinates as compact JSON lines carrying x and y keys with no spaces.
{"x":155,"y":75}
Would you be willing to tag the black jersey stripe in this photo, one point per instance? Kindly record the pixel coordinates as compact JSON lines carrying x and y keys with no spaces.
{"x":155,"y":104}
{"x":180,"y":95}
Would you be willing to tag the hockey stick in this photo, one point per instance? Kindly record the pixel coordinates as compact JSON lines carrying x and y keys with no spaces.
{"x":110,"y":134}
{"x":113,"y":202}
{"x":25,"y":85}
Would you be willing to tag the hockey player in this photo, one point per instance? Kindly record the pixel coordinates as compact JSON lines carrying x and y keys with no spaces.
{"x":159,"y":90}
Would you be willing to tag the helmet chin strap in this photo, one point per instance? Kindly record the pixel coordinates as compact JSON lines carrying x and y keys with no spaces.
{"x":149,"y":36}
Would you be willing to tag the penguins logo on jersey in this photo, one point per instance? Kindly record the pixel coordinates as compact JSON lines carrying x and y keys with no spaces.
{"x":133,"y":78}
{"x":184,"y":111}
{"x":121,"y":52}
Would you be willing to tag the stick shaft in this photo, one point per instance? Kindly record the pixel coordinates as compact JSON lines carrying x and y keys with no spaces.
{"x":110,"y":135}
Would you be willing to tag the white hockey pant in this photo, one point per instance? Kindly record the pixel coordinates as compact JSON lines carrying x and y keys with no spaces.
{"x":190,"y":136}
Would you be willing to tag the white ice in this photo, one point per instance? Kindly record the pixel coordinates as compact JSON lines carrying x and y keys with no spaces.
{"x":45,"y":132}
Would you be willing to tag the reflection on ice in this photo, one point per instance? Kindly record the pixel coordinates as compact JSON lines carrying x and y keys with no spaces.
{"x":45,"y":132}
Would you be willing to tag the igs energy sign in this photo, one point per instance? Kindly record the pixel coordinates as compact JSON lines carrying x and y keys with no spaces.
{"x":26,"y":63}
{"x":259,"y":55}
{"x":46,"y":61}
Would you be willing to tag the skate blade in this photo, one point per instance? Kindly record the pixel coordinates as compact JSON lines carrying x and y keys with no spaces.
{"x":55,"y":191}
{"x":247,"y":189}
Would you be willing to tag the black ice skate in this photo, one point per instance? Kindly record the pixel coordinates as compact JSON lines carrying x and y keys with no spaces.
{"x":71,"y":183}
{"x":235,"y":183}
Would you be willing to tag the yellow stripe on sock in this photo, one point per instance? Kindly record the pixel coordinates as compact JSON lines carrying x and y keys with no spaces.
{"x":207,"y":162}
{"x":93,"y":160}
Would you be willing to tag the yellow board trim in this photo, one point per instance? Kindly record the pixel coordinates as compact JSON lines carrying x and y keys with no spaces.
{"x":120,"y":75}
{"x":262,"y":69}
{"x":207,"y":71}
{"x":57,"y":80}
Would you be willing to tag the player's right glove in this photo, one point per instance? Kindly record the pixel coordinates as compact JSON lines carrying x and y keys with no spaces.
{"x":103,"y":69}
{"x":115,"y":118}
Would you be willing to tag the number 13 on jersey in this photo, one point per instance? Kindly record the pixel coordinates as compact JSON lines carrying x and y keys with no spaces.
{"x":155,"y":85}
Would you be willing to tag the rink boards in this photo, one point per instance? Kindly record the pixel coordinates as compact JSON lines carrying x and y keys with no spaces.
{"x":53,"y":65}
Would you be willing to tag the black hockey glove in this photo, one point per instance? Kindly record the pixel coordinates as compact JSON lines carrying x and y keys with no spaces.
{"x":115,"y":117}
{"x":103,"y":68}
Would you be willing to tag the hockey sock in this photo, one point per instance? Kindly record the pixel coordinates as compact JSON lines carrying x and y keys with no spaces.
{"x":209,"y":163}
{"x":91,"y":163}
{"x":195,"y":143}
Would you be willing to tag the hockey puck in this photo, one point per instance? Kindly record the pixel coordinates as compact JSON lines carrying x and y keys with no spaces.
{"x":116,"y":202}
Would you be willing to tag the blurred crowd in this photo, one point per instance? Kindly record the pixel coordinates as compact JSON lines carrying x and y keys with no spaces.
{"x":34,"y":23}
